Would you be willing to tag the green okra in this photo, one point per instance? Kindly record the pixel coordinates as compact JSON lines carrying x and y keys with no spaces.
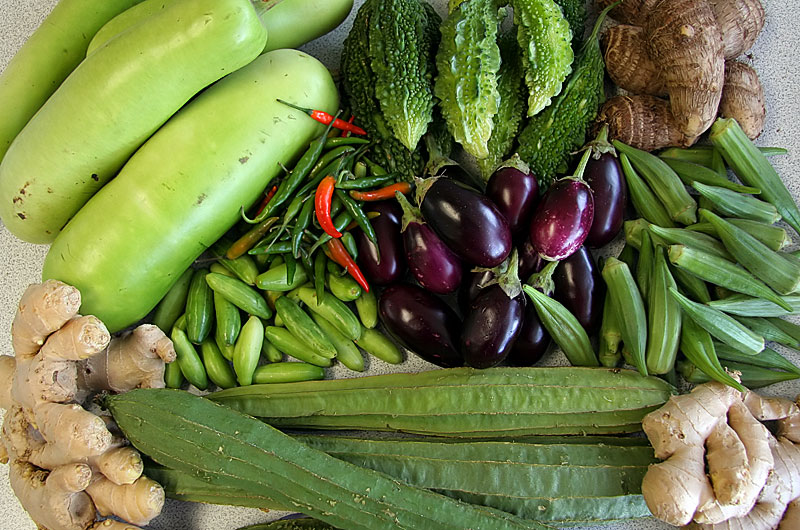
{"x":284,"y":341}
{"x":774,"y":237}
{"x":690,"y":172}
{"x":720,"y":325}
{"x":217,"y":368}
{"x":751,"y":376}
{"x":697,"y":154}
{"x":174,"y":302}
{"x":609,"y":353}
{"x":367,"y":308}
{"x":300,"y":324}
{"x":749,"y":306}
{"x":697,"y":346}
{"x":753,"y":168}
{"x":691,"y":285}
{"x":629,"y":306}
{"x":664,"y":183}
{"x":629,"y":255}
{"x":247,"y":350}
{"x":287,"y":372}
{"x":696,"y":240}
{"x":768,"y":358}
{"x":642,"y":197}
{"x":331,"y":309}
{"x":188,"y":359}
{"x":347,"y":352}
{"x":790,"y":328}
{"x":782,"y":275}
{"x":718,"y":165}
{"x":228,"y":319}
{"x":633,"y":230}
{"x":239,"y":294}
{"x":663,"y":318}
{"x":645,"y":265}
{"x":379,"y":346}
{"x":719,"y":271}
{"x":767,"y":329}
{"x":199,"y":307}
{"x":733,"y":204}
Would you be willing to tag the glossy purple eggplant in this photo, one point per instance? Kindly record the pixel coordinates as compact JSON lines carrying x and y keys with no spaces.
{"x":467,"y":221}
{"x":515,"y":192}
{"x":392,"y":264}
{"x":432,"y":263}
{"x":604,"y":176}
{"x":562,"y":219}
{"x":580,"y":288}
{"x":532,"y":341}
{"x":471,"y":287}
{"x":491,"y":327}
{"x":529,"y":260}
{"x":422,"y":322}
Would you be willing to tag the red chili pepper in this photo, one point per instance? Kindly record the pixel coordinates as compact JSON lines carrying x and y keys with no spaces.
{"x":345,"y":134}
{"x":326,"y":119}
{"x":267,"y":198}
{"x":336,"y":251}
{"x":322,"y":205}
{"x":387,"y":192}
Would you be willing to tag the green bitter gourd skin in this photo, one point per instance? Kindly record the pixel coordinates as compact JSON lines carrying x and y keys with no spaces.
{"x":401,"y":52}
{"x":511,"y":108}
{"x":548,"y":140}
{"x":545,"y":38}
{"x":575,"y":13}
{"x":467,"y":63}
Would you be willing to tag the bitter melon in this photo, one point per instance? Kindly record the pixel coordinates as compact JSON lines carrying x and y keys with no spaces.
{"x":548,"y":139}
{"x":575,"y":13}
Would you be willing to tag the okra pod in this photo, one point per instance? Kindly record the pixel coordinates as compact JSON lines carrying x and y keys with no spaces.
{"x":642,"y":197}
{"x":609,"y":353}
{"x":217,"y":367}
{"x":345,"y":288}
{"x":347,"y":352}
{"x":720,"y":325}
{"x":690,"y":172}
{"x":697,"y":345}
{"x":199,"y":307}
{"x":697,"y":154}
{"x":633,"y":230}
{"x":733,"y":204}
{"x":174,"y":302}
{"x":239,"y":294}
{"x":696,"y":240}
{"x":663,"y":318}
{"x":767,"y":329}
{"x":768,"y":358}
{"x":276,"y":279}
{"x":644,"y":267}
{"x":247,"y":351}
{"x":721,"y":272}
{"x":753,"y":168}
{"x":189,"y":361}
{"x":691,"y":285}
{"x":228,"y":319}
{"x":287,"y":372}
{"x":749,"y":306}
{"x":379,"y":346}
{"x":664,"y":182}
{"x":629,"y":307}
{"x":290,"y":345}
{"x":629,"y":255}
{"x":367,"y":308}
{"x":303,"y":327}
{"x":564,"y":328}
{"x":782,"y":275}
{"x":333,"y":310}
{"x":752,"y":376}
{"x":774,"y":237}
{"x":790,"y":328}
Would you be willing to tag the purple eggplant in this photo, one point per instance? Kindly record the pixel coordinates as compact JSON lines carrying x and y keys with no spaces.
{"x":529,"y":260}
{"x":563,"y":217}
{"x":603,"y":174}
{"x":491,"y":327}
{"x":432,"y":263}
{"x":422,"y":322}
{"x":580,"y":288}
{"x":471,"y":287}
{"x":515,"y":191}
{"x":532,"y":341}
{"x":392,"y":264}
{"x":467,"y":221}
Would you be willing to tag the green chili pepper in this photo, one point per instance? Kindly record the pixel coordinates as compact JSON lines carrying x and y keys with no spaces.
{"x":374,"y":168}
{"x":303,"y":220}
{"x":366,"y":183}
{"x":358,"y":215}
{"x":319,"y":274}
{"x":338,"y":141}
{"x":279,"y":247}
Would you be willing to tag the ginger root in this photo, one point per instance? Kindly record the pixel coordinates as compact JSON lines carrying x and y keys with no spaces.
{"x":723,"y":469}
{"x":67,"y":465}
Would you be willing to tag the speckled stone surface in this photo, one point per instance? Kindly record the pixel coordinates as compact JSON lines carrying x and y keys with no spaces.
{"x":774,"y":57}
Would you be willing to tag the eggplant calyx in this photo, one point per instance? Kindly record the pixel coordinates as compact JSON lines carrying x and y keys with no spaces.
{"x":543,"y":280}
{"x":515,"y":162}
{"x":506,"y":275}
{"x":600,"y":145}
{"x":411,"y":213}
{"x":437,"y":159}
{"x":422,"y":186}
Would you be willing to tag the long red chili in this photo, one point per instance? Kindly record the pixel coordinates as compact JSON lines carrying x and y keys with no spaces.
{"x":387,"y":192}
{"x":336,"y":251}
{"x":267,"y":198}
{"x":345,"y":134}
{"x":322,"y":205}
{"x":325,"y":118}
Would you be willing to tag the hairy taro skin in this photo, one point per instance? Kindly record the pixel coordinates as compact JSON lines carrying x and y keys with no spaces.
{"x":562,"y":219}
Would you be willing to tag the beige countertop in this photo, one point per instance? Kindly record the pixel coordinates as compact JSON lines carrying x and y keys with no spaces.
{"x":774,"y":57}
